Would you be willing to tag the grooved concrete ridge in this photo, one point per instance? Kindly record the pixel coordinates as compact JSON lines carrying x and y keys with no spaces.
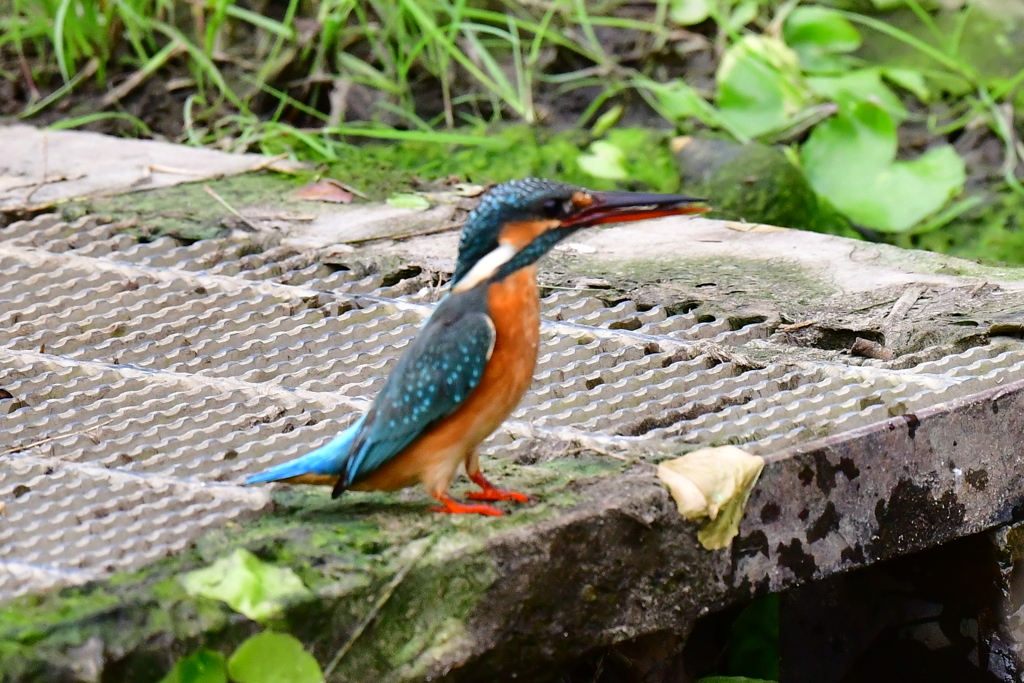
{"x":143,"y":381}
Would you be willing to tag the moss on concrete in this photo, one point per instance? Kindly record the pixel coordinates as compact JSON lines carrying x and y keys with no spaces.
{"x":188,"y":212}
{"x":347,"y":551}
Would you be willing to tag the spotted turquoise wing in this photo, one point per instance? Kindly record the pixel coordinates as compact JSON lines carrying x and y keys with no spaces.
{"x":442,"y":367}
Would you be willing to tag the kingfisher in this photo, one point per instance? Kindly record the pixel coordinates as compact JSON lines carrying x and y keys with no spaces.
{"x":474,"y":358}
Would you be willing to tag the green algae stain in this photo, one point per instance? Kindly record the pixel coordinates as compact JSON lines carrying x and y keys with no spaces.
{"x":425,"y":618}
{"x":585,"y":466}
{"x":187,"y":212}
{"x":346,"y":551}
{"x":20,"y":619}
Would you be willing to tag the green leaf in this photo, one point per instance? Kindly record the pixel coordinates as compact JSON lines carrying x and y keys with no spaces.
{"x":744,"y":13}
{"x":754,"y":641}
{"x":607,"y":120}
{"x":849,"y":149}
{"x":273,"y":658}
{"x":250,"y":586}
{"x":409,"y":201}
{"x":204,"y":666}
{"x":818,"y":35}
{"x":922,"y":186}
{"x":849,"y":160}
{"x":604,"y":161}
{"x":688,"y":12}
{"x":909,"y":79}
{"x":759,"y":85}
{"x":857,"y":86}
{"x":679,"y":102}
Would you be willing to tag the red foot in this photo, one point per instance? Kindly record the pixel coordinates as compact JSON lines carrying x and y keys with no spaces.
{"x":454,"y":507}
{"x":491,"y":493}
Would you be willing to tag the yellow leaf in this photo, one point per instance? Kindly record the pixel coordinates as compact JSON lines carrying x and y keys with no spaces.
{"x":713,"y":483}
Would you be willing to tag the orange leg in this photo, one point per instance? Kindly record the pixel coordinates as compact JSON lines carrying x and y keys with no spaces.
{"x":454,"y":507}
{"x":490,"y":492}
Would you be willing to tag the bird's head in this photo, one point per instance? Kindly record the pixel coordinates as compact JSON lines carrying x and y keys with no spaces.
{"x":518,"y":222}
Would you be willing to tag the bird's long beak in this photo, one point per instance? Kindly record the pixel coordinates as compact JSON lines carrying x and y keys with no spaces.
{"x":594,"y":208}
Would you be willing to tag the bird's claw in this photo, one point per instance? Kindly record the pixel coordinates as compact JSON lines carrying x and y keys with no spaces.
{"x":491,"y":492}
{"x":454,"y":507}
{"x":500,"y":494}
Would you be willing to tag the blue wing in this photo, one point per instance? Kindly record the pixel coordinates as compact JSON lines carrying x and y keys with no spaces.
{"x":438,"y":372}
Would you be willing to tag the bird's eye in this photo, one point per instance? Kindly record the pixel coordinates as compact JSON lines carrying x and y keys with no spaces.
{"x":555,"y":208}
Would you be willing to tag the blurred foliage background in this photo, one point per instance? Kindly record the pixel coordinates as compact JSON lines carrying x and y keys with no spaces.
{"x":888,"y":120}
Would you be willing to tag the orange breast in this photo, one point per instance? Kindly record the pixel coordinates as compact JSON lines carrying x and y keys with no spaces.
{"x":433,"y":458}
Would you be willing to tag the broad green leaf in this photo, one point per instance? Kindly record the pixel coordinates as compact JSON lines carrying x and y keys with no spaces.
{"x":202,"y":667}
{"x":407,"y":200}
{"x":250,"y":586}
{"x":679,"y":102}
{"x":844,"y":154}
{"x":849,"y":160}
{"x":759,"y":85}
{"x":744,"y":13}
{"x":818,"y":35}
{"x":273,"y":658}
{"x":913,"y":190}
{"x":688,"y":12}
{"x":857,"y":86}
{"x":909,"y":79}
{"x":604,"y":160}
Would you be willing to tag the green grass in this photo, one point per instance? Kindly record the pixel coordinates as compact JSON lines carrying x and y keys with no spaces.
{"x":250,"y":68}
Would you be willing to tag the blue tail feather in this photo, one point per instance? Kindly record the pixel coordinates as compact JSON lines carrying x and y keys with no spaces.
{"x":328,"y":459}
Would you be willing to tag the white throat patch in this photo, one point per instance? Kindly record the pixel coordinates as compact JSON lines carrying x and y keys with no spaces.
{"x":486,"y":267}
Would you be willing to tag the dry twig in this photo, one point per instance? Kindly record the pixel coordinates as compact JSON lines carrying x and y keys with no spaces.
{"x":382,"y":600}
{"x":59,"y":437}
{"x":223,"y":202}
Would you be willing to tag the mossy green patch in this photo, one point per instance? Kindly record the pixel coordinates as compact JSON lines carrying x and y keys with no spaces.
{"x":518,"y":151}
{"x":346,"y":551}
{"x":585,"y":465}
{"x":187,"y":211}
